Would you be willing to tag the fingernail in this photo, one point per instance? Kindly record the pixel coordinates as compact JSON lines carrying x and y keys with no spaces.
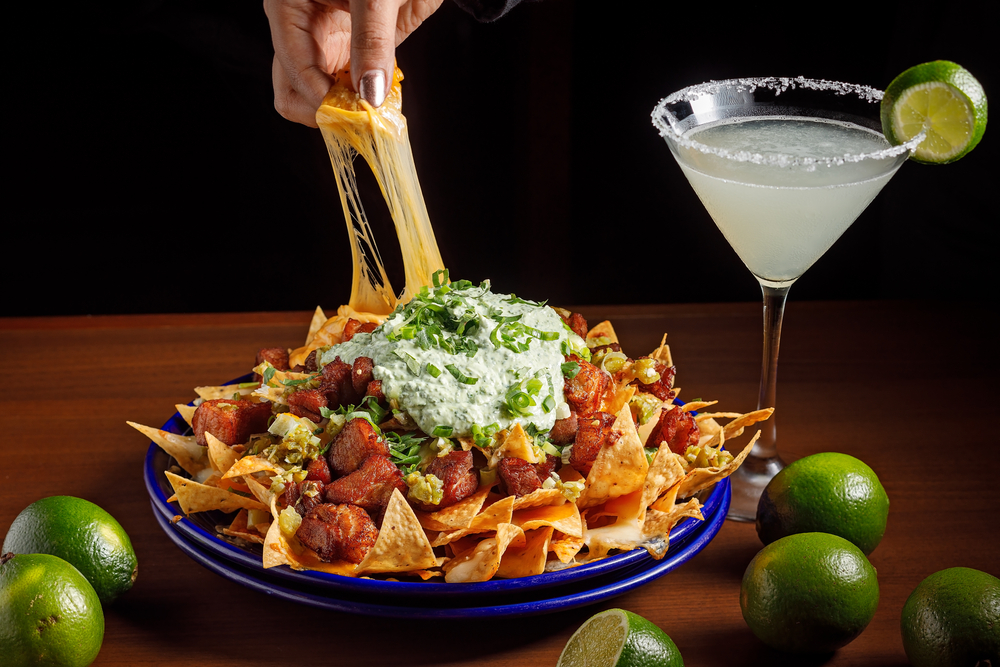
{"x":372,"y":87}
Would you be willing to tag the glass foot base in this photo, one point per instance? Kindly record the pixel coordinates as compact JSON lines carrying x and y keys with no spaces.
{"x":748,"y":483}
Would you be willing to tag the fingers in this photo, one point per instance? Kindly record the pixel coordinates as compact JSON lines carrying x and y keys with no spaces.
{"x":305,"y":36}
{"x":373,"y":44}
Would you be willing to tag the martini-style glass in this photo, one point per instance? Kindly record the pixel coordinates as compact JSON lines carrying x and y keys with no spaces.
{"x":783,"y":166}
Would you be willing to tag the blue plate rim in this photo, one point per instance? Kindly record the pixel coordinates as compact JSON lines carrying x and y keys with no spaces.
{"x":572,"y":600}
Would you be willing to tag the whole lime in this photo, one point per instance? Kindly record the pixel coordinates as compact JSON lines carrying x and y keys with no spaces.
{"x":82,"y":533}
{"x":809,"y":592}
{"x":619,"y":638}
{"x":49,"y":613}
{"x":953,"y":618}
{"x":825,"y":493}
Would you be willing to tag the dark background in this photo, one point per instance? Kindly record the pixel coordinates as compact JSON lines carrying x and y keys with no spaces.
{"x":152,"y":174}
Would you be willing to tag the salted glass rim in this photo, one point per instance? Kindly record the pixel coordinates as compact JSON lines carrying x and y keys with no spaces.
{"x":665,"y":121}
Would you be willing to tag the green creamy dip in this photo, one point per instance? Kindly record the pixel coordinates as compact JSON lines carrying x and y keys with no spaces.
{"x":458,"y":355}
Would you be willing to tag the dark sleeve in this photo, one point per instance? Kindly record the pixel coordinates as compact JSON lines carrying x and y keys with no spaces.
{"x":487,"y":10}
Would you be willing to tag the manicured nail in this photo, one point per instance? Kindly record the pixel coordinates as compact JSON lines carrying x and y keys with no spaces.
{"x":372,"y":87}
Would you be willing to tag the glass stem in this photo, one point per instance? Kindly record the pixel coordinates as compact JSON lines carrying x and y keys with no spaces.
{"x":774,"y":309}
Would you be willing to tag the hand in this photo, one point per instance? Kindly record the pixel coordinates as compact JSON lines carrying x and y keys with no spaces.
{"x":315,"y":38}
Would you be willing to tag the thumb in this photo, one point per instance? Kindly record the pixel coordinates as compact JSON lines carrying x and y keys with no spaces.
{"x":373,"y":42}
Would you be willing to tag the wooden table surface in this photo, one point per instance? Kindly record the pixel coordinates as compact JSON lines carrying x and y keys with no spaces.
{"x":910,"y":388}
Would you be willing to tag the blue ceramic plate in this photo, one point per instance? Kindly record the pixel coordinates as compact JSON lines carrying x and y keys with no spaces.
{"x":200,"y":530}
{"x":577,"y":595}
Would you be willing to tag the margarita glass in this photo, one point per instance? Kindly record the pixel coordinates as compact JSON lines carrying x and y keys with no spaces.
{"x":783,"y":166}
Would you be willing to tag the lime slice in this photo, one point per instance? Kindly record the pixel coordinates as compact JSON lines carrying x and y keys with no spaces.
{"x":619,"y":638}
{"x":941,"y":98}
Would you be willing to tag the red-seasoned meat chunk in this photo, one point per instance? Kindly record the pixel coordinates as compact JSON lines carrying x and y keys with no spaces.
{"x":361,"y":374}
{"x":594,"y":432}
{"x":354,"y":326}
{"x":336,"y":383}
{"x":338,"y":532}
{"x":370,"y":486}
{"x":546,"y":467}
{"x":311,"y":365}
{"x":676,"y":427}
{"x":662,"y":388}
{"x":319,"y":470}
{"x":307,"y":403}
{"x":458,"y":477}
{"x":374,"y":389}
{"x":519,"y":476}
{"x":578,"y":324}
{"x":232,"y":422}
{"x":586,"y":389}
{"x":304,"y":495}
{"x":564,"y":430}
{"x":355,"y":442}
{"x":276,"y":356}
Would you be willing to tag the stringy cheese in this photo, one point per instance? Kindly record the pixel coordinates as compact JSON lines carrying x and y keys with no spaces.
{"x":351,"y":127}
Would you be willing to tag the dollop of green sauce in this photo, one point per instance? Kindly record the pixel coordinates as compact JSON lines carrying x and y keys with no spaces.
{"x":458,"y":355}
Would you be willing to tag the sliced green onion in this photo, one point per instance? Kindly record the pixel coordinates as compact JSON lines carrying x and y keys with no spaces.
{"x":433,"y":370}
{"x":570,"y":369}
{"x":442,"y":431}
{"x":458,"y":375}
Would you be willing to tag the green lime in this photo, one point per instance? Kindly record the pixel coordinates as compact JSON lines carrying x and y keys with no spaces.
{"x":953,"y":618}
{"x":941,"y":97}
{"x":83,"y":534}
{"x":810,"y":592}
{"x":825,"y":493}
{"x":619,"y":638}
{"x":49,"y":613}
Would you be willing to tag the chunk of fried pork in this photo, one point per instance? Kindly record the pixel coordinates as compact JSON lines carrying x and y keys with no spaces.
{"x":356,"y":442}
{"x":231,"y":421}
{"x":338,"y":532}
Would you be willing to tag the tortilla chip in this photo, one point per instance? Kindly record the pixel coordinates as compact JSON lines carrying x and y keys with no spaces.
{"x":239,"y":528}
{"x":565,"y":547}
{"x":702,"y":478}
{"x":603,"y":330}
{"x":665,"y":472}
{"x":195,"y":497}
{"x":315,"y":324}
{"x":402,"y":545}
{"x":527,"y":560}
{"x":251,"y":464}
{"x":190,"y":456}
{"x":186,"y":412}
{"x":486,"y":521}
{"x":620,"y":468}
{"x":225,"y":391}
{"x":517,"y":444}
{"x":694,"y":406}
{"x":220,"y":455}
{"x":330,"y":332}
{"x":659,"y":524}
{"x":259,"y":491}
{"x":616,"y":397}
{"x":625,"y":532}
{"x":540,"y":497}
{"x":662,"y":353}
{"x":457,"y":516}
{"x":565,"y":518}
{"x":665,"y":503}
{"x":483,"y":561}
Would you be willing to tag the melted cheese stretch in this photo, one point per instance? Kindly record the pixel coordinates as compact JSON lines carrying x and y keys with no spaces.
{"x":350,"y":127}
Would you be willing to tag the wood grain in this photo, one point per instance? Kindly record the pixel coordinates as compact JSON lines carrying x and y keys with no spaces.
{"x":910,"y":388}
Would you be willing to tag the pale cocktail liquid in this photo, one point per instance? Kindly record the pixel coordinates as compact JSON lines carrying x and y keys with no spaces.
{"x":795,"y":186}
